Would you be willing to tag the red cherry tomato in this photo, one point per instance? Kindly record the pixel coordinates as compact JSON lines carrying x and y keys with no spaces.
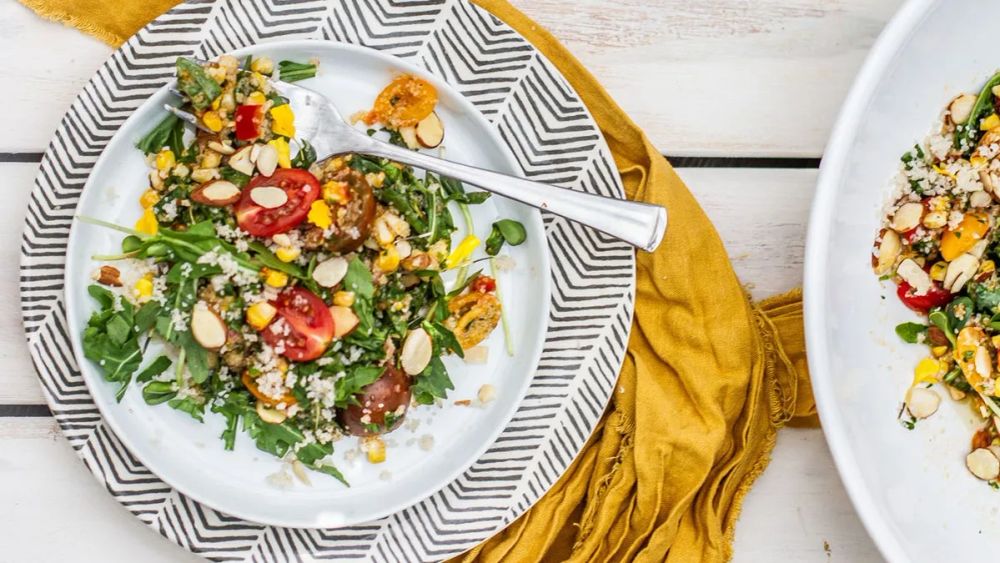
{"x":483,"y":284}
{"x":936,"y":296}
{"x":248,"y":119}
{"x":303,"y":327}
{"x":302,"y":189}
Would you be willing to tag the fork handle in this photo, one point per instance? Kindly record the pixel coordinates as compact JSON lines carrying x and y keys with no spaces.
{"x":640,"y":224}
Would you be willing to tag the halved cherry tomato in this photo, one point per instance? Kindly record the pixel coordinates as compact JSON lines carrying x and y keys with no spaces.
{"x":251,"y":386}
{"x":390,"y":393}
{"x":404,"y":102}
{"x":303,"y":327}
{"x":300,"y":186}
{"x":353,"y":219}
{"x":248,"y":119}
{"x":483,"y":284}
{"x":936,"y":296}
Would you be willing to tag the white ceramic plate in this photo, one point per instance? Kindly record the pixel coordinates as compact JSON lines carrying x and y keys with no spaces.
{"x":911,"y":488}
{"x":189,"y":456}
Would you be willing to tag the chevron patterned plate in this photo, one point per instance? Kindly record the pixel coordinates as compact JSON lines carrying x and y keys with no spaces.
{"x":553,"y":138}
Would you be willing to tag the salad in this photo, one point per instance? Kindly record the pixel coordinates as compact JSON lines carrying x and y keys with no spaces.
{"x":939,"y":243}
{"x":303,"y":301}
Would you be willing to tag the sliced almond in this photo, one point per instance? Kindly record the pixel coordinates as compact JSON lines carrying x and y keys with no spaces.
{"x":430,"y":131}
{"x":913,"y":274}
{"x":983,"y":464}
{"x":269,"y":415}
{"x":269,"y":197}
{"x":267,"y":160}
{"x":984,"y":364}
{"x":404,"y":249}
{"x":888,"y":251}
{"x":220,"y":148}
{"x":937,"y":219}
{"x":960,"y":271}
{"x":207,"y":328}
{"x":217,"y":193}
{"x":922,"y":402}
{"x":344,"y":320}
{"x":416,"y":351}
{"x":409,"y":135}
{"x":240,"y":161}
{"x":987,"y":180}
{"x":980,"y":199}
{"x":961,"y":108}
{"x":486,"y":393}
{"x":328,"y":273}
{"x":254,"y":152}
{"x":907,"y":217}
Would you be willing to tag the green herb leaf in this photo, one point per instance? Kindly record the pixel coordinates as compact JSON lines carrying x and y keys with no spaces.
{"x":967,"y":134}
{"x":506,"y":230}
{"x":190,"y":405}
{"x":196,"y":84}
{"x":939,"y":319}
{"x":156,"y":392}
{"x":443,"y":338}
{"x":264,"y":255}
{"x":432,"y":383}
{"x":359,"y":280}
{"x":169,"y":132}
{"x":353,"y":382}
{"x":305,"y":157}
{"x":909,"y":332}
{"x":291,"y":71}
{"x":158,"y":366}
{"x":235,"y":176}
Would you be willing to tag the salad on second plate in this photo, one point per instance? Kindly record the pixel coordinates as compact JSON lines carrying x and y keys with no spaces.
{"x":301,"y":301}
{"x":939,"y":243}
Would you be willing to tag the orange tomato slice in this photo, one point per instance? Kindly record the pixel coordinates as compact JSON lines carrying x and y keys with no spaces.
{"x":404,"y":102}
{"x":971,"y":230}
{"x":251,"y":386}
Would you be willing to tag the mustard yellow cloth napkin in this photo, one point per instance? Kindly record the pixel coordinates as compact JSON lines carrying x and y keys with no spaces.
{"x":708,"y":379}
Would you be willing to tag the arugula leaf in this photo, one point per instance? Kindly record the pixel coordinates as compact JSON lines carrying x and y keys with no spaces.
{"x":103,"y":297}
{"x":432,"y":383}
{"x":158,"y":366}
{"x":443,"y":338}
{"x":278,"y":439}
{"x":230,"y":174}
{"x":169,"y":132}
{"x":959,"y":311}
{"x":267,"y":258}
{"x":968,"y":133}
{"x":189,"y":405}
{"x":986,"y":296}
{"x":199,"y":87}
{"x":909,"y":332}
{"x":305,"y":157}
{"x":359,"y":280}
{"x":232,"y":409}
{"x":110,"y":342}
{"x":939,"y":319}
{"x":505,"y":230}
{"x":156,"y":392}
{"x":353,"y":382}
{"x":291,"y":71}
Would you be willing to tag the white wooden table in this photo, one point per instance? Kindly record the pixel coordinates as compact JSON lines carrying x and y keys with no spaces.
{"x":754,"y":86}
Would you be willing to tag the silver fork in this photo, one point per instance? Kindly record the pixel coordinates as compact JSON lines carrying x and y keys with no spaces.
{"x":317,"y":120}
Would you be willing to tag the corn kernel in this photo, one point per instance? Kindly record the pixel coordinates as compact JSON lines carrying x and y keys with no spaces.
{"x":319,"y":214}
{"x":149,"y":199}
{"x":938,"y":270}
{"x":283,"y":120}
{"x":256,"y":99}
{"x":939,"y":351}
{"x":147,"y":223}
{"x":388,"y":259}
{"x":284,"y":152}
{"x":165,"y":160}
{"x":287,"y":253}
{"x":343,"y":298}
{"x":212,"y":120}
{"x":926,"y":371}
{"x":144,"y":287}
{"x":335,"y":192}
{"x":942,"y":171}
{"x":979,"y":161}
{"x":462,"y":251}
{"x":987,"y":266}
{"x":217,"y":102}
{"x":996,"y":341}
{"x":991,"y":122}
{"x":375,"y":447}
{"x":259,"y":315}
{"x":275,"y":278}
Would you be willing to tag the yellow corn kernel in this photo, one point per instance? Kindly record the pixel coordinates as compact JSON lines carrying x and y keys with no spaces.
{"x":462,"y":251}
{"x":343,"y":298}
{"x":939,"y":351}
{"x":938,"y":270}
{"x":942,"y":171}
{"x":144,"y":287}
{"x":217,"y":102}
{"x":259,"y":315}
{"x":275,"y":278}
{"x":375,"y":448}
{"x":938,"y":203}
{"x":388,"y":259}
{"x":256,"y":99}
{"x":165,"y":160}
{"x":284,"y":153}
{"x":987,"y":266}
{"x":283,"y":120}
{"x":212,"y":120}
{"x":335,"y":192}
{"x":148,"y":199}
{"x":996,"y":341}
{"x":991,"y":122}
{"x":147,"y":223}
{"x":319,"y":214}
{"x":287,"y":253}
{"x":926,"y":371}
{"x":979,"y":161}
{"x":263,"y":65}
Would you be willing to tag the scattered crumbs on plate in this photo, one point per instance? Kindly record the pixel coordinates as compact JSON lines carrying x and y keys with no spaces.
{"x":385,"y":475}
{"x":426,"y":442}
{"x":280,"y":480}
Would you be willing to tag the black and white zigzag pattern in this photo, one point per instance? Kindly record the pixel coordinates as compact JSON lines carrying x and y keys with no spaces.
{"x":554,"y":139}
